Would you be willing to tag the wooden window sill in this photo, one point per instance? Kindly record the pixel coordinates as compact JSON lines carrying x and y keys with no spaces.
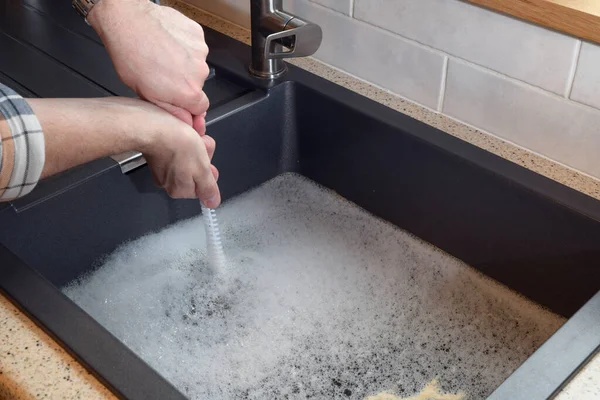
{"x":579,"y":18}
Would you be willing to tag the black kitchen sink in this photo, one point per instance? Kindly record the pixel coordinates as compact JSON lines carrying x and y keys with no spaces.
{"x":529,"y":233}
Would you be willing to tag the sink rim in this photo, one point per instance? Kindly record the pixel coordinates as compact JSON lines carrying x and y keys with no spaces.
{"x":18,"y":286}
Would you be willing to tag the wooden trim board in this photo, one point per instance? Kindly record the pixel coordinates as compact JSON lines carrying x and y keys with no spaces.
{"x":579,"y":18}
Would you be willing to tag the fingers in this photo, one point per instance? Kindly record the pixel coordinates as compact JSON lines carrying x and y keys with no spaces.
{"x":200,"y":123}
{"x":189,"y":189}
{"x":180,"y":161}
{"x":207,"y":189}
{"x":195,"y":179}
{"x":194,"y":115}
{"x":193,"y":99}
{"x":178,"y":112}
{"x":210,"y":145}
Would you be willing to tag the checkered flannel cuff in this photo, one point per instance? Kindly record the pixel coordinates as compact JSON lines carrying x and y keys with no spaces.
{"x":22,"y":152}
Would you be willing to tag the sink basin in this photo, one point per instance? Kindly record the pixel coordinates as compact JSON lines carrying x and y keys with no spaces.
{"x":529,"y":233}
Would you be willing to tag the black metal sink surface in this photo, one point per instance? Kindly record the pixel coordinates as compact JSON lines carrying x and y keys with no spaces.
{"x":533,"y":235}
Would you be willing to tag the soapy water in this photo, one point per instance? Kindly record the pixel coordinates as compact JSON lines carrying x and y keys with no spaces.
{"x":319,"y":300}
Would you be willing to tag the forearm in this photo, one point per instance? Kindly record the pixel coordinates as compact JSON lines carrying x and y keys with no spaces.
{"x":80,"y":130}
{"x":41,"y":137}
{"x":21,"y":146}
{"x":109,"y":14}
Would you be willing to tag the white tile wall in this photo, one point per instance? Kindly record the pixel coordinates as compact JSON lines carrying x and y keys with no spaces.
{"x":562,"y":130}
{"x":512,"y":47}
{"x":342,"y":6}
{"x":505,"y":76}
{"x":586,"y":87}
{"x":375,"y":55}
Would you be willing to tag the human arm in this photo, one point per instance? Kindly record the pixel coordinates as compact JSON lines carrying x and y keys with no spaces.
{"x":157,"y":52}
{"x":76,"y":131}
{"x":81,"y":130}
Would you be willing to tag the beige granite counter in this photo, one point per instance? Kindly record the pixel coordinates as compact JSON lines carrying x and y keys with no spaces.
{"x":33,"y":366}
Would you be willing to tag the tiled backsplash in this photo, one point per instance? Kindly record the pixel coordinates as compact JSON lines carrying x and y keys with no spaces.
{"x":529,"y":85}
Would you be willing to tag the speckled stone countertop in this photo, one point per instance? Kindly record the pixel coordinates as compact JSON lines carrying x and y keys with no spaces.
{"x":33,"y":366}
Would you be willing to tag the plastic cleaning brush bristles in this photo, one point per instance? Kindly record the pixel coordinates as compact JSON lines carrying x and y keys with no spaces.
{"x":216,"y":256}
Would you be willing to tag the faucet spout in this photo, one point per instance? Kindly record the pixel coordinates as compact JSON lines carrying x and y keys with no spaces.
{"x":276,"y":35}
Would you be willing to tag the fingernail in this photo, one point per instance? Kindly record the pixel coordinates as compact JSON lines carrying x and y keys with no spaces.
{"x":212,"y":202}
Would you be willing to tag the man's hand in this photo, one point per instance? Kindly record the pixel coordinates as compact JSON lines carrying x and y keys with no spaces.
{"x":159,"y":53}
{"x":180,"y":162}
{"x":80,"y":130}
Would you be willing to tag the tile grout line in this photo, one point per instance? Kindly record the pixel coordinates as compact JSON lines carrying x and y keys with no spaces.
{"x":524,"y":84}
{"x":440,"y":105}
{"x":443,"y":53}
{"x":573,"y":70}
{"x":481,"y":130}
{"x":498,"y":74}
{"x":376,"y":86}
{"x":473,"y":65}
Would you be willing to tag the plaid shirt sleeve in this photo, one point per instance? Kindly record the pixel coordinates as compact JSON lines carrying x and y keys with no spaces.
{"x":22,"y":152}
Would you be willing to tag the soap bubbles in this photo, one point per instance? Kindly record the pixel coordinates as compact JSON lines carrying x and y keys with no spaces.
{"x":319,"y":300}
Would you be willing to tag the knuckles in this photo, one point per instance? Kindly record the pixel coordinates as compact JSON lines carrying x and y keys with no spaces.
{"x":210,"y":143}
{"x":203,"y":71}
{"x":194,"y":92}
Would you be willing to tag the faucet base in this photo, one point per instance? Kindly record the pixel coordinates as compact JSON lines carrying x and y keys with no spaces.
{"x":267,"y":74}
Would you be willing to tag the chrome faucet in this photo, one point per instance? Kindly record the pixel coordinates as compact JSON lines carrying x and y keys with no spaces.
{"x":277,"y":34}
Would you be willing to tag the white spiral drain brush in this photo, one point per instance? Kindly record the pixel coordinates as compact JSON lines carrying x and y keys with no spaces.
{"x":216,"y":256}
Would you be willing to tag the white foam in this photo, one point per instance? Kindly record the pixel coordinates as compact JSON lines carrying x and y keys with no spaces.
{"x":320,"y":300}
